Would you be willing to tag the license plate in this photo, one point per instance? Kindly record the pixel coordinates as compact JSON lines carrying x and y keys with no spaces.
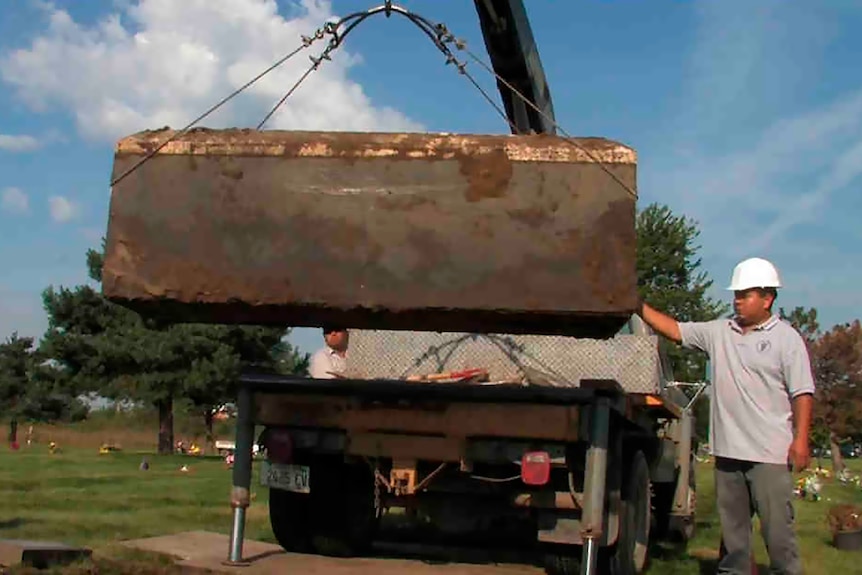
{"x":285,"y":476}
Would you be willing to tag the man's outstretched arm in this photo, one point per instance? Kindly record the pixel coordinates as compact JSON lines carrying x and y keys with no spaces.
{"x":660,"y":323}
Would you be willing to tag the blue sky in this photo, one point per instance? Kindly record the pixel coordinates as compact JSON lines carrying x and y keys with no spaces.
{"x":746,"y":116}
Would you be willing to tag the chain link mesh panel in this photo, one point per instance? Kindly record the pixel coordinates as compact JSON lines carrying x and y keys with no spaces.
{"x":631,"y":360}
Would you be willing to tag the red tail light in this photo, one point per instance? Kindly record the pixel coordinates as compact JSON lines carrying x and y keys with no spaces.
{"x":536,"y":468}
{"x":279,"y":445}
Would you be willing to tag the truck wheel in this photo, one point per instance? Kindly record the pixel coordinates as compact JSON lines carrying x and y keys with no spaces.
{"x":562,"y":563}
{"x":344,"y":522}
{"x":289,"y":516}
{"x":630,"y":554}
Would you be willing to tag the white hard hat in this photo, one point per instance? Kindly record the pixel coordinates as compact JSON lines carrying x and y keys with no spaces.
{"x":754,"y":273}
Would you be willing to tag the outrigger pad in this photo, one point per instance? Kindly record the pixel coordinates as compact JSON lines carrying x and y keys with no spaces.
{"x":492,"y":234}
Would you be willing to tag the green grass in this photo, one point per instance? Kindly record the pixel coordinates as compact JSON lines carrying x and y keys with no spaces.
{"x":819,"y":557}
{"x":80,"y":497}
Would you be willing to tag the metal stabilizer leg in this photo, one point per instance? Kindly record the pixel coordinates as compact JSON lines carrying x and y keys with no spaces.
{"x":681,"y":494}
{"x":237,"y":535}
{"x":594,"y":486}
{"x":240,"y":496}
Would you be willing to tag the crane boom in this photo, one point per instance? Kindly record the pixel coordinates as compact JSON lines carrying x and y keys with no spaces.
{"x":515,"y":58}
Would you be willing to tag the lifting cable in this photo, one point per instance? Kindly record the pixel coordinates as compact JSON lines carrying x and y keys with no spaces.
{"x":437,"y":33}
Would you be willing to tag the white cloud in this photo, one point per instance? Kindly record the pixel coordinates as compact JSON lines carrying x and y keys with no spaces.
{"x":843,"y":170}
{"x":161,"y":62}
{"x":765,"y":163}
{"x":62,"y":209}
{"x":749,"y":199}
{"x":15,"y":201}
{"x":755,"y":165}
{"x":20,"y":143}
{"x":749,"y":62}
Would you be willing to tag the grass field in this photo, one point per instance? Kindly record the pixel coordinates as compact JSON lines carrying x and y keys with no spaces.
{"x":79,"y":496}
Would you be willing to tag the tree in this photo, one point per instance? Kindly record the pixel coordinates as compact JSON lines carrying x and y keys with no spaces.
{"x":805,"y":322}
{"x":32,"y":389}
{"x":50,"y":396}
{"x":15,"y":361}
{"x":836,"y":362}
{"x":670,"y":279}
{"x":109,"y":349}
{"x":222,"y":353}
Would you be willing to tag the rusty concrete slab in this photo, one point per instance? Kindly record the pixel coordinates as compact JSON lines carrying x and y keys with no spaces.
{"x":39,"y":554}
{"x":207,"y":550}
{"x":511,"y":234}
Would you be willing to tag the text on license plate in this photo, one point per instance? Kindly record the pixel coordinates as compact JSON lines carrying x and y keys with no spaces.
{"x":286,"y":476}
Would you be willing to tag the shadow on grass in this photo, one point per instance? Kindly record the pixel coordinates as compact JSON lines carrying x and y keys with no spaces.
{"x":706,"y":559}
{"x":14,"y":523}
{"x":437,"y":549}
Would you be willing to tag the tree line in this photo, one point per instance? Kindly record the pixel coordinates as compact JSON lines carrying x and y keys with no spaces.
{"x":95,"y":346}
{"x":836,"y":360}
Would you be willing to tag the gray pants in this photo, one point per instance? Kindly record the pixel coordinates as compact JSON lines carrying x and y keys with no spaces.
{"x":742,"y":489}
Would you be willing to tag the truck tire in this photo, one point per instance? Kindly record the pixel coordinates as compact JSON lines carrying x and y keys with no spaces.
{"x":337,"y":518}
{"x":344,"y":520}
{"x":630,"y":554}
{"x":563,"y":564}
{"x":289,"y":516}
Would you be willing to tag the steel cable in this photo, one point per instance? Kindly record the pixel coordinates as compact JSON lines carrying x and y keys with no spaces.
{"x":437,"y":33}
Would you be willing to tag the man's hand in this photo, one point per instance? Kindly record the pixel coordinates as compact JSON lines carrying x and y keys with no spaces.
{"x":661,"y":323}
{"x":799,"y":455}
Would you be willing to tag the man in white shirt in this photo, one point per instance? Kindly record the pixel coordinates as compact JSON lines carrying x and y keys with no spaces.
{"x":330,"y":361}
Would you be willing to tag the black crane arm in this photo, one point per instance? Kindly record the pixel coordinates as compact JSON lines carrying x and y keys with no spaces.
{"x":515,"y":58}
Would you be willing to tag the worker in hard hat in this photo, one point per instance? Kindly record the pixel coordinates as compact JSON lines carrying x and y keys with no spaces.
{"x":330,"y":361}
{"x":760,"y":414}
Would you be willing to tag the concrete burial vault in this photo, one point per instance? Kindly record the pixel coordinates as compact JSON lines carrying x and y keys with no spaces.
{"x":512,"y":234}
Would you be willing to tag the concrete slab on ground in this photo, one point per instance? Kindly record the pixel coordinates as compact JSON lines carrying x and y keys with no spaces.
{"x":39,"y":554}
{"x":206,"y":550}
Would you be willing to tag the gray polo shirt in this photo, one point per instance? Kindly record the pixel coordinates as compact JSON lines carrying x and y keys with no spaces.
{"x":755,"y":376}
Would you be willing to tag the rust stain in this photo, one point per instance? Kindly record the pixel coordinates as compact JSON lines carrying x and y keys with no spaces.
{"x":487,"y":175}
{"x":572,"y":239}
{"x":483,"y":228}
{"x":534,"y":217}
{"x":402,"y":202}
{"x":613,"y":234}
{"x":231,"y":169}
{"x":434,"y":253}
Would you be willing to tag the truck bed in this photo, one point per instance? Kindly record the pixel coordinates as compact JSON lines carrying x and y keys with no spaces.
{"x":359,"y":414}
{"x":386,"y":390}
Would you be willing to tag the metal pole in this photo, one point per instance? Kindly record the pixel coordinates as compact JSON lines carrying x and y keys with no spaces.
{"x":237,"y":534}
{"x":680,"y":499}
{"x":594,"y":485}
{"x":239,"y":496}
